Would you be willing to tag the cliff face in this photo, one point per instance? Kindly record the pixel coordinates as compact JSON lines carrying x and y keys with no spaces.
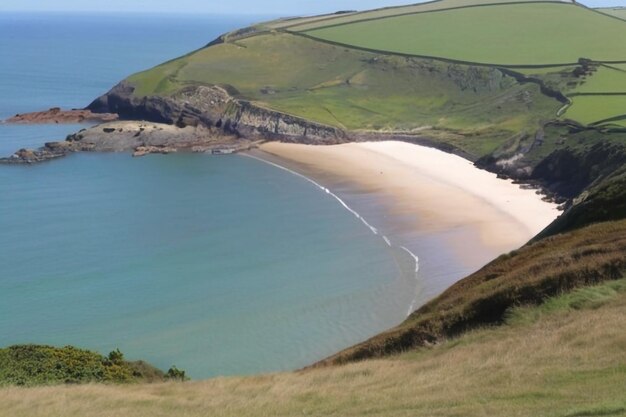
{"x":213,"y":106}
{"x":569,"y":171}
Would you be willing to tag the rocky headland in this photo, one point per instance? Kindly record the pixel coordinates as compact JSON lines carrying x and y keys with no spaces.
{"x":197,"y":119}
{"x":216,"y":107}
{"x":138,"y":138}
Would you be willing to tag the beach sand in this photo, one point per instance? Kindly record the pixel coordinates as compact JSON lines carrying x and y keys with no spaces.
{"x":432,"y":194}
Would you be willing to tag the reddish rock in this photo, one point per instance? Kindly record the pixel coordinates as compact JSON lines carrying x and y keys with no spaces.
{"x":56,"y":115}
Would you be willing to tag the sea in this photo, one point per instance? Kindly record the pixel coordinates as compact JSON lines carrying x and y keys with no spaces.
{"x":219,"y":265}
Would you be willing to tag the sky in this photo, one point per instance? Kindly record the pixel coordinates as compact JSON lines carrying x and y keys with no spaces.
{"x":268,"y":7}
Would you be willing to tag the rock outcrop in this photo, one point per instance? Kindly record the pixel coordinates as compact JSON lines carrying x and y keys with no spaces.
{"x":215,"y":107}
{"x":140,"y":138}
{"x":147,"y":150}
{"x":31,"y":156}
{"x":58,"y":116}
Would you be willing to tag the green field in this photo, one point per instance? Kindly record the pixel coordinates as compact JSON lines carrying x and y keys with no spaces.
{"x":614,"y":11}
{"x":591,"y":109}
{"x":607,"y":79}
{"x":599,"y":96}
{"x":543,"y":71}
{"x":307,"y":23}
{"x":516,"y":34}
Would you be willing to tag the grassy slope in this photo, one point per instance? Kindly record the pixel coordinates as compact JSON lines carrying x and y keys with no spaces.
{"x":359,"y":90}
{"x":527,"y":27}
{"x":565,"y":358}
{"x":537,"y":34}
{"x":599,"y":96}
{"x":614,"y":11}
{"x":606,"y":79}
{"x":353,"y":89}
{"x":591,"y":109}
{"x":603,"y":200}
{"x":308,"y":23}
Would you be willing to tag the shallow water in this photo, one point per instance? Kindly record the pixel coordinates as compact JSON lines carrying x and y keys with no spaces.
{"x":218,"y":265}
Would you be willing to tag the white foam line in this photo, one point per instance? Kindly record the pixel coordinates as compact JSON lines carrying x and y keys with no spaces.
{"x":417,"y":268}
{"x":347,"y":207}
{"x":321,"y":187}
{"x":417,"y":260}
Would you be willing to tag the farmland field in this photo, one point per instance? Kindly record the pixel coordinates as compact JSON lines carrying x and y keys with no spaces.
{"x":308,"y":23}
{"x":590,"y":109}
{"x":607,"y":79}
{"x":614,"y":11}
{"x":513,"y":34}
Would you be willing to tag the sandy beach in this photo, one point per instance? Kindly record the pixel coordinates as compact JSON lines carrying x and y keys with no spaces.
{"x":478,"y":214}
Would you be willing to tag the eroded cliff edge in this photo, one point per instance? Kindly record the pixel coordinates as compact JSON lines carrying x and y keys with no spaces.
{"x":215,"y":107}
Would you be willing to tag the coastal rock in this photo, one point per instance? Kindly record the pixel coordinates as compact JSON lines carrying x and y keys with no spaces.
{"x":216,"y":107}
{"x":146,"y":150}
{"x":51,"y":150}
{"x":138,"y":138}
{"x":56,"y":115}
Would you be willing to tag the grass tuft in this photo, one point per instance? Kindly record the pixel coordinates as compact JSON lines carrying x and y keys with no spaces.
{"x":583,"y":298}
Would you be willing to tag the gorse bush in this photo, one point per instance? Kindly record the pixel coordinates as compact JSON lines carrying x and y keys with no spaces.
{"x":28,"y":365}
{"x":116,"y":357}
{"x":175,"y":374}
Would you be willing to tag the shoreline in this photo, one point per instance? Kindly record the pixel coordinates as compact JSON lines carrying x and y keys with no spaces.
{"x":414,"y":274}
{"x":454,"y":216}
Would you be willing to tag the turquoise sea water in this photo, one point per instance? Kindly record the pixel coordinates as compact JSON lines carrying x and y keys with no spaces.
{"x":220,"y":265}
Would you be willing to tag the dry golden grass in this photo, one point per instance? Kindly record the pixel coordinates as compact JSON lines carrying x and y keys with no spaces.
{"x":565,"y":363}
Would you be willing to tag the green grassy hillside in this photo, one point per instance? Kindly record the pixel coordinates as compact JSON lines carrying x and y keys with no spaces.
{"x":357,"y":90}
{"x":520,"y":34}
{"x":592,"y":109}
{"x":564,"y":358}
{"x":508,"y":34}
{"x":314,"y":22}
{"x":600,"y":97}
{"x":356,"y":71}
{"x":614,"y":11}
